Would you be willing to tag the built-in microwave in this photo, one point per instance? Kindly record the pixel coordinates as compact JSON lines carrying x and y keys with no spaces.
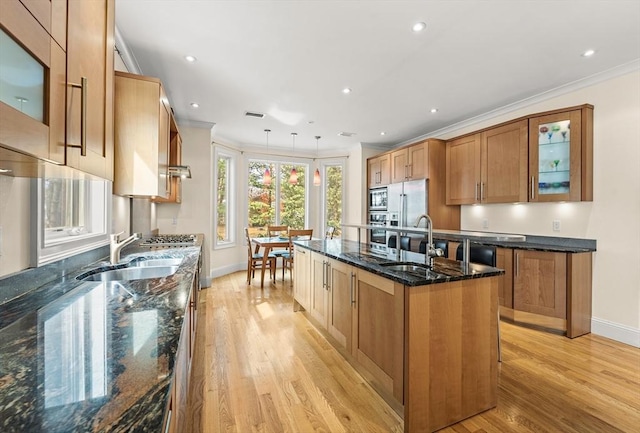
{"x":378,"y":199}
{"x":378,"y":234}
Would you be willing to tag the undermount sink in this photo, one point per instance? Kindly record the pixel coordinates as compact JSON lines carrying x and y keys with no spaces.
{"x":405,"y":267}
{"x":156,"y":262}
{"x":133,"y":273}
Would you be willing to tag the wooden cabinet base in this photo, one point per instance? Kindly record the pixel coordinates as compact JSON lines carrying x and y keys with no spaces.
{"x":451,"y":352}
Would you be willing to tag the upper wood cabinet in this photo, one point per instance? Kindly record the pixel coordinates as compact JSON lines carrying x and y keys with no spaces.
{"x":89,"y":122}
{"x":561,"y":155}
{"x":142,"y":135}
{"x":175,"y":158}
{"x":379,"y":170}
{"x":488,"y":167}
{"x":32,"y":114}
{"x":545,"y":157}
{"x":410,"y":163}
{"x":72,"y":43}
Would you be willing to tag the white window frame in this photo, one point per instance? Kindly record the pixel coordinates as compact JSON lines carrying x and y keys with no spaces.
{"x":73,"y":240}
{"x":232,"y":208}
{"x":342,"y":162}
{"x":277,"y":162}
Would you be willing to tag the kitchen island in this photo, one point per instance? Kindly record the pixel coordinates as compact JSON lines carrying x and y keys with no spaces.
{"x":425,"y":339}
{"x":93,"y":356}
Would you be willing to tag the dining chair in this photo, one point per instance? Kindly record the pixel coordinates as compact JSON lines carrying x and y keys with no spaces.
{"x":255,"y":259}
{"x":274,"y":231}
{"x":294,"y":235}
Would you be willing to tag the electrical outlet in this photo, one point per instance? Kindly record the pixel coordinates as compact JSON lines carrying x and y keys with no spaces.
{"x":556,"y":225}
{"x":174,"y":221}
{"x":485,"y":223}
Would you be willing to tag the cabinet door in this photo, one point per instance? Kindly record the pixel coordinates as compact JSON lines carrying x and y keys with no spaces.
{"x":504,"y":260}
{"x":341,"y":297}
{"x":399,"y":166}
{"x":418,"y":156}
{"x":302,"y":274}
{"x":319,"y":287}
{"x":540,"y":283}
{"x":373,"y":168}
{"x":504,"y":165}
{"x":463,"y":170}
{"x":555,"y":157}
{"x":90,"y":49}
{"x":378,"y":334}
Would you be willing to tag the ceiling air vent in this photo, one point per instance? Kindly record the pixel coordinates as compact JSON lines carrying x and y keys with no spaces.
{"x":252,"y":114}
{"x":346,"y":134}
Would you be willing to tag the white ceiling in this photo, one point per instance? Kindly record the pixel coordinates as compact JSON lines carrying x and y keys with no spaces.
{"x":291,"y":60}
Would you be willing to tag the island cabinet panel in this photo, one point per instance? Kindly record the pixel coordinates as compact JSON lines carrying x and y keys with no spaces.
{"x":340,"y":305}
{"x":378,"y":335}
{"x":451,"y":352}
{"x":504,"y":260}
{"x":319,"y":288}
{"x":540,"y":283}
{"x":302,"y":277}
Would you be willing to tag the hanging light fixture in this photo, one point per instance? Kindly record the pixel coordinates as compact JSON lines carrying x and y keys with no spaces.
{"x":293,"y":177}
{"x":266,"y":178}
{"x":316,"y":175}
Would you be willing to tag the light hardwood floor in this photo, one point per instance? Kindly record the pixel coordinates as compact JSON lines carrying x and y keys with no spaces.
{"x":260,"y":367}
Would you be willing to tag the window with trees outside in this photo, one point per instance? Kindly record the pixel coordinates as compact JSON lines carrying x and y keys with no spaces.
{"x":278,"y":202}
{"x":332,"y":191}
{"x":224,"y":221}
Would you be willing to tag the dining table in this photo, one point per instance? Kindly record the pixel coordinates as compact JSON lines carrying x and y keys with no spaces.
{"x":269,"y":243}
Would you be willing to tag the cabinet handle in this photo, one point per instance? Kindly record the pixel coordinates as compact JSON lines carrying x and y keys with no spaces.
{"x":324,"y":274}
{"x":329,"y":276}
{"x":533,"y":191}
{"x":517,"y":263}
{"x":353,"y":298}
{"x":410,"y":171}
{"x":476,"y":191}
{"x":83,"y":116}
{"x":482,"y":191}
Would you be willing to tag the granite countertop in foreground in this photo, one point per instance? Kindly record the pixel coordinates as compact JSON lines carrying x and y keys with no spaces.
{"x":361,"y":256}
{"x":90,"y":356}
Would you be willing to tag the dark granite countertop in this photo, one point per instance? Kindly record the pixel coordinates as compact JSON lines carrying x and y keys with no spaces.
{"x":93,"y":356}
{"x":361,"y":256}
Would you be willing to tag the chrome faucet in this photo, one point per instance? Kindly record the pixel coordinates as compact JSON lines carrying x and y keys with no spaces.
{"x":432,"y":252}
{"x":116,"y":245}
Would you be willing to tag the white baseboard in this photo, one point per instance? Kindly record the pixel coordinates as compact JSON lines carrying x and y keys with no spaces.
{"x":615,"y":331}
{"x":229,"y":269}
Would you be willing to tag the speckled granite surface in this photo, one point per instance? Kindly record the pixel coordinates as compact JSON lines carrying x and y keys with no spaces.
{"x":90,"y":356}
{"x":362,"y":257}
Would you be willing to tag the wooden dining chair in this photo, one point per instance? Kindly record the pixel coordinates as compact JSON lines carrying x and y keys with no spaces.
{"x":255,"y":259}
{"x":275,"y":231}
{"x":294,"y":235}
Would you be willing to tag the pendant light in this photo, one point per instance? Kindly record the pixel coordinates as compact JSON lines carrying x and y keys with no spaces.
{"x":266,"y":178}
{"x":293,"y":177}
{"x":316,"y":175}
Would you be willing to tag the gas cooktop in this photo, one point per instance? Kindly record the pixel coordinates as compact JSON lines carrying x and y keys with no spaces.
{"x":169,"y":241}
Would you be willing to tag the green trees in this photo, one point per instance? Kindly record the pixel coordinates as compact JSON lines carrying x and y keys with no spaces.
{"x":333,"y":197}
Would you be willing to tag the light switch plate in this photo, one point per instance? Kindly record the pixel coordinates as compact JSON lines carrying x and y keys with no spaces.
{"x":485,"y":223}
{"x":556,"y":225}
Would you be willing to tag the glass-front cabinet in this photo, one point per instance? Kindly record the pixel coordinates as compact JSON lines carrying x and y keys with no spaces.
{"x":561,"y":156}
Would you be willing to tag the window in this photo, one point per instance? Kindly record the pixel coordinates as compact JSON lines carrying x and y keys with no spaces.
{"x":279,"y":202}
{"x":224,"y":199}
{"x":72,"y":217}
{"x":332,"y":196}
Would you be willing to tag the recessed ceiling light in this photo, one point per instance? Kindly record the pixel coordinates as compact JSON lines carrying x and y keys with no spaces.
{"x":346,"y":90}
{"x":190,"y":59}
{"x":418,"y":27}
{"x":383,"y":133}
{"x":434,"y":110}
{"x":194,"y":105}
{"x":588,"y":53}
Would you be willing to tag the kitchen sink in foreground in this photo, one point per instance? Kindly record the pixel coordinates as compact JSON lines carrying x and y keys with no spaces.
{"x":405,"y":267}
{"x":133,"y":273}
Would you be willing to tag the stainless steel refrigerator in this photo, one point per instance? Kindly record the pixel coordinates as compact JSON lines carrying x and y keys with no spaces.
{"x":406,"y":202}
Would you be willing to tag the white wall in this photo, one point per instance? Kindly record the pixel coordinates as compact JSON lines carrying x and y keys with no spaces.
{"x":613,"y":218}
{"x":14,"y":224}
